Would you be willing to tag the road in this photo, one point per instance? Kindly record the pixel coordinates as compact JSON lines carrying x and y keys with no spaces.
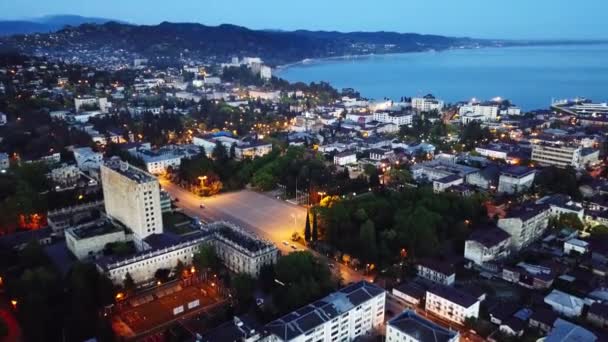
{"x":269,"y":218}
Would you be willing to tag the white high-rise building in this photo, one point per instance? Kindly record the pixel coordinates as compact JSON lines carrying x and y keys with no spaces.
{"x":132,"y":197}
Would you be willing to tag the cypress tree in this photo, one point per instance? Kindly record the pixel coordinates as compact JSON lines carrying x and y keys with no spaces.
{"x":315,"y":231}
{"x":307,"y":228}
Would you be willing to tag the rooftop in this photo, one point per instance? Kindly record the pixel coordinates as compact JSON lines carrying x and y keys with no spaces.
{"x":238,"y":236}
{"x":129,"y":171}
{"x":101,"y":227}
{"x":453,"y":295}
{"x":312,"y":315}
{"x":421,"y":329}
{"x":489,"y":236}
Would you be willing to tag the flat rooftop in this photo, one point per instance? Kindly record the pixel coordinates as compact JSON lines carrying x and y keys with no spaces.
{"x":239,"y":237}
{"x":102,"y":227}
{"x":129,"y":171}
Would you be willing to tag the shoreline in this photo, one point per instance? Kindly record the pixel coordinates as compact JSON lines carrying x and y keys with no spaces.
{"x":318,"y":60}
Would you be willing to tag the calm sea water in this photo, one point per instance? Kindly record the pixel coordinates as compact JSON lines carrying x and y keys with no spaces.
{"x":529,"y":76}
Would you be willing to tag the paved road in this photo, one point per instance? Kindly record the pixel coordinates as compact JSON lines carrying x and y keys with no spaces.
{"x":272,"y":219}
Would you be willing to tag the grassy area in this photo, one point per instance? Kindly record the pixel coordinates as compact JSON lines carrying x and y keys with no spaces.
{"x":177,"y":223}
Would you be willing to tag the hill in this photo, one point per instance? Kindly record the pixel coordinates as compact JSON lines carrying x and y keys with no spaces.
{"x":45,"y":24}
{"x":170,"y":42}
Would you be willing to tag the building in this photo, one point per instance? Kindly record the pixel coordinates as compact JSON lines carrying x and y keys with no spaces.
{"x":515,"y":179}
{"x":241,"y":251}
{"x":444,"y":183}
{"x":426,"y":103}
{"x":242,"y":148}
{"x":411,"y":327}
{"x":577,"y":246}
{"x":565,"y":303}
{"x":344,"y":315}
{"x":399,"y":119}
{"x":345,"y":158}
{"x":436,"y":271}
{"x":5,"y":161}
{"x":143,"y":265}
{"x":265,"y":72}
{"x":563,"y":155}
{"x":598,"y":314}
{"x":409,"y":294}
{"x":158,"y":161}
{"x":89,"y":102}
{"x":525,"y":224}
{"x":87,"y":159}
{"x":451,"y":304}
{"x":564,"y":331}
{"x":487,"y":245}
{"x":88,"y":240}
{"x":486,"y":111}
{"x":132,"y":197}
{"x":65,"y":175}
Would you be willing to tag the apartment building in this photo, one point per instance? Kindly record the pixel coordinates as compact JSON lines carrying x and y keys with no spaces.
{"x":436,"y":271}
{"x":515,"y":179}
{"x":525,"y":224}
{"x":451,"y":304}
{"x":342,"y":316}
{"x":427,"y":103}
{"x":487,"y":245}
{"x":563,"y":155}
{"x":411,"y":327}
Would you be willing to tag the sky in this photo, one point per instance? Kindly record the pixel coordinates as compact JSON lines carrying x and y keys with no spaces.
{"x":505,"y":19}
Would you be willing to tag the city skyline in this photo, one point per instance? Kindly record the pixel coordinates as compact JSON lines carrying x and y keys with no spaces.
{"x":473,"y":18}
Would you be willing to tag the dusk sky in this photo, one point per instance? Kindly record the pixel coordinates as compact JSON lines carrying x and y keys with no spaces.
{"x":519,"y":19}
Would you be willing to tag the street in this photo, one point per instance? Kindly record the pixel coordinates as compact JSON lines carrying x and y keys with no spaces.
{"x":269,"y":218}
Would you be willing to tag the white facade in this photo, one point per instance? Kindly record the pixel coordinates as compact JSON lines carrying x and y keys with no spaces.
{"x":397,"y":119}
{"x":436,"y":275}
{"x":511,"y":183}
{"x":410,"y":327}
{"x":526,"y":226}
{"x":576,"y":245}
{"x":344,"y":315}
{"x":451,"y":304}
{"x":265,"y":72}
{"x":241,"y":252}
{"x":102,"y":103}
{"x":345,"y":158}
{"x":486,"y":112}
{"x":132,"y":196}
{"x":65,"y":175}
{"x":86,"y":242}
{"x":426,"y":103}
{"x":486,"y":247}
{"x":5,"y":162}
{"x":563,"y":155}
{"x":242,"y":149}
{"x":86,"y":159}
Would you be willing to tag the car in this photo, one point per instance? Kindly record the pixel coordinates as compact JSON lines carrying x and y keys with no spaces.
{"x":176,"y":199}
{"x":294,"y":247}
{"x":330,"y":265}
{"x":286,"y":243}
{"x":202,"y":206}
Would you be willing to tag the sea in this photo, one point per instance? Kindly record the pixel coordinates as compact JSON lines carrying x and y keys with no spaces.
{"x":530,"y":77}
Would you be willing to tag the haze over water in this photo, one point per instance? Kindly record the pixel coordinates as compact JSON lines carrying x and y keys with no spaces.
{"x":529,"y":76}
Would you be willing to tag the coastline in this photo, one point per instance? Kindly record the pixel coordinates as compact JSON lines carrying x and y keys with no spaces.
{"x":318,"y":60}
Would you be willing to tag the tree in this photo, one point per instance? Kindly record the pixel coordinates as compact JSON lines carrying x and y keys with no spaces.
{"x":367,"y":238}
{"x":162,"y":275}
{"x":179,"y":268}
{"x":219,"y":153}
{"x":128,"y":283}
{"x":244,"y":287}
{"x":567,"y":221}
{"x":3,"y":327}
{"x":233,"y":151}
{"x":307,"y":232}
{"x":315,"y":229}
{"x":599,"y":230}
{"x":206,"y":258}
